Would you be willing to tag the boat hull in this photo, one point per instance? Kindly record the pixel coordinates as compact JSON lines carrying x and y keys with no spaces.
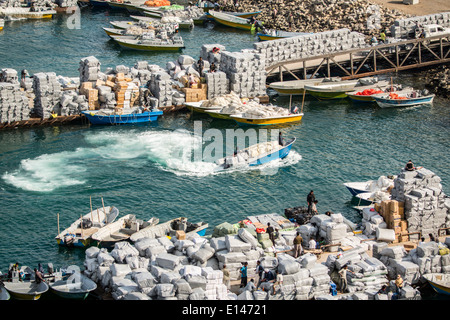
{"x":219,"y":115}
{"x":78,"y":243}
{"x":26,"y":291}
{"x":141,"y":47}
{"x":356,"y":188}
{"x":327,"y":95}
{"x":231,"y":24}
{"x":123,"y":119}
{"x":359,"y":98}
{"x":267,"y":121}
{"x":280,"y":154}
{"x":394,"y":103}
{"x":439,"y":288}
{"x":99,"y":4}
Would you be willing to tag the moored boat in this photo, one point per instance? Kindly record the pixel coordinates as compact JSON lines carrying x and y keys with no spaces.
{"x":403,"y":98}
{"x":100,"y":117}
{"x":14,"y":13}
{"x":25,"y":288}
{"x":79,"y":233}
{"x":76,"y":287}
{"x":365,"y":94}
{"x":152,"y":44}
{"x":4,"y":294}
{"x":257,"y":154}
{"x":219,"y":114}
{"x":169,"y":228}
{"x":368,"y":198}
{"x":278,"y":34}
{"x":121,"y":230}
{"x":99,"y":3}
{"x":197,"y":107}
{"x":269,"y":120}
{"x":229,"y":20}
{"x":339,"y":90}
{"x":440,"y":282}
{"x":297,"y":87}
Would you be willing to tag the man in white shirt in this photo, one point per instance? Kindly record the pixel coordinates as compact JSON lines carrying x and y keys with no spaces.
{"x":278,"y":282}
{"x":312,"y":244}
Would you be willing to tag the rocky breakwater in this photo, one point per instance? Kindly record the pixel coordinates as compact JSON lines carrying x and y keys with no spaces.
{"x":437,"y":80}
{"x":319,"y":15}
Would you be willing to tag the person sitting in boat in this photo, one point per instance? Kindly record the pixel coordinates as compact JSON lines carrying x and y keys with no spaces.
{"x":280,"y":139}
{"x":410,"y":166}
{"x":38,"y":276}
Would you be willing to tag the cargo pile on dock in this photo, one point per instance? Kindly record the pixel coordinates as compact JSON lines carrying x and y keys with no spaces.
{"x":404,"y":28}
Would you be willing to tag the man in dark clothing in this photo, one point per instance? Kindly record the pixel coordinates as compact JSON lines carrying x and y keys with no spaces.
{"x":260,"y":272}
{"x":310,"y":200}
{"x":270,"y":231}
{"x":38,"y":276}
{"x":280,"y":139}
{"x":409,"y":166}
{"x":200,"y":65}
{"x":212,"y":67}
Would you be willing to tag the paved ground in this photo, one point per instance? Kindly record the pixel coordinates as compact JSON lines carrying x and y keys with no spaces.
{"x":424,"y":7}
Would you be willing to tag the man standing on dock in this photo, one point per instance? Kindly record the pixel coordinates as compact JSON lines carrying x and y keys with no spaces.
{"x":310,"y":200}
{"x":298,"y":245}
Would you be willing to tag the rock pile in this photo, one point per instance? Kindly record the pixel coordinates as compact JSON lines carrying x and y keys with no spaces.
{"x":438,"y":81}
{"x":318,"y":15}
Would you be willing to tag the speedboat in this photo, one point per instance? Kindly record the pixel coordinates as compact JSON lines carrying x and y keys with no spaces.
{"x":257,"y":154}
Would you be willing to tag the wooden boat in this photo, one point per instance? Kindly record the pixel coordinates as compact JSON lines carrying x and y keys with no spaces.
{"x":197,"y":107}
{"x":365,"y":94}
{"x":169,"y":228}
{"x":297,"y":87}
{"x":79,"y":233}
{"x":121,"y":230}
{"x":17,"y":13}
{"x":99,"y":3}
{"x":403,"y":98}
{"x":99,"y":117}
{"x":174,"y":44}
{"x":4,"y":294}
{"x":257,"y":154}
{"x":219,"y":114}
{"x":279,"y":34}
{"x":75,"y":287}
{"x":337,"y":90}
{"x":272,"y":120}
{"x":440,"y":282}
{"x":229,"y":20}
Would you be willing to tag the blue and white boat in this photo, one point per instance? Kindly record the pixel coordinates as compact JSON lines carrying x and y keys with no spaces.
{"x":359,"y":187}
{"x":440,"y":282}
{"x":98,"y":117}
{"x":257,"y":154}
{"x":404,"y":98}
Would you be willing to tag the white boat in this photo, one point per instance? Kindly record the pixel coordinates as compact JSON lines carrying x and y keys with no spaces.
{"x":368,"y":198}
{"x":403,"y":98}
{"x":79,"y":233}
{"x":25,"y":288}
{"x":121,"y":230}
{"x":197,"y":107}
{"x":74,"y":286}
{"x":339,"y":90}
{"x":440,"y":282}
{"x":382,"y":183}
{"x":169,"y":228}
{"x":297,"y":87}
{"x":174,"y":43}
{"x":4,"y":294}
{"x":20,"y":13}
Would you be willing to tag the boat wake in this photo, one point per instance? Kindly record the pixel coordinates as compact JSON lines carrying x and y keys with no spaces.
{"x":119,"y":151}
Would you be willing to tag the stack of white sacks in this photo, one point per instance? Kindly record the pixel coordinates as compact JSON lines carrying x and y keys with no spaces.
{"x":405,"y":27}
{"x":72,"y":103}
{"x":246,"y":72}
{"x":309,"y":45}
{"x":47,"y":90}
{"x":425,"y":208}
{"x":161,"y":86}
{"x":14,"y":103}
{"x":218,"y":84}
{"x":89,"y":69}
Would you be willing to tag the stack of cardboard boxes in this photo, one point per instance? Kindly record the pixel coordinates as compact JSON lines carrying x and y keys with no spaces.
{"x":196,"y":94}
{"x":91,"y":94}
{"x":393,"y":212}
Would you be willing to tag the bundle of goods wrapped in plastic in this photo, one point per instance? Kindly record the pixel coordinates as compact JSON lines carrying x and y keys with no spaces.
{"x":47,"y":90}
{"x":73,"y":103}
{"x":14,"y":103}
{"x":89,"y":69}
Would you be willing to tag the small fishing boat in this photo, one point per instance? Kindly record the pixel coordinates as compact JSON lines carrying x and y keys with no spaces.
{"x":169,"y":228}
{"x":79,"y":233}
{"x":197,"y":107}
{"x":26,"y":290}
{"x":121,"y":230}
{"x":100,"y":117}
{"x":114,"y":31}
{"x":75,"y":287}
{"x":244,"y":15}
{"x":18,"y":13}
{"x":219,"y":114}
{"x":297,"y":87}
{"x":365,"y":94}
{"x":337,"y":90}
{"x":99,"y":3}
{"x":368,"y":198}
{"x":265,"y":121}
{"x":142,"y":44}
{"x":440,"y":282}
{"x":229,"y":20}
{"x":257,"y":154}
{"x":279,"y":34}
{"x":4,"y":294}
{"x":403,"y":98}
{"x":123,"y":24}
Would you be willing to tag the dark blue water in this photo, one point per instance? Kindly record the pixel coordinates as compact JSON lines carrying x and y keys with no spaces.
{"x":149,"y":171}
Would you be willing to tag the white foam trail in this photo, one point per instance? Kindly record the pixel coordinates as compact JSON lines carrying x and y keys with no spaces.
{"x":170,"y":150}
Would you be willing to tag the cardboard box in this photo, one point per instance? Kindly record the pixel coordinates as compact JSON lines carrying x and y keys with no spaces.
{"x":181,"y":235}
{"x":120,"y":77}
{"x":110,"y":78}
{"x":110,"y":83}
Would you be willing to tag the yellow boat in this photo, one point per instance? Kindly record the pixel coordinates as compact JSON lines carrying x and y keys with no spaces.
{"x":230,"y":20}
{"x":219,"y":115}
{"x":26,"y":290}
{"x":148,"y":45}
{"x":197,"y":107}
{"x":13,"y":13}
{"x":267,"y":121}
{"x":113,"y":31}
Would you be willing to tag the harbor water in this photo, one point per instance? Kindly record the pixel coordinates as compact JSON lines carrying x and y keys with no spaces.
{"x":150,"y":171}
